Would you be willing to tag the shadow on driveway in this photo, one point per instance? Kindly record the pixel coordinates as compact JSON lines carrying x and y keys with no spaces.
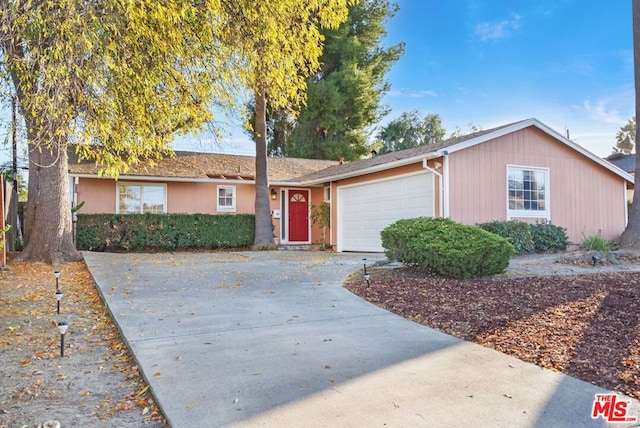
{"x":273,"y":339}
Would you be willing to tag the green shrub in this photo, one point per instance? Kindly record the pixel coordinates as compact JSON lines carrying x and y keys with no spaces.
{"x":446,"y":248}
{"x":541,"y":237}
{"x":133,"y":232}
{"x":548,"y":238}
{"x":596,"y":243}
{"x":517,"y":232}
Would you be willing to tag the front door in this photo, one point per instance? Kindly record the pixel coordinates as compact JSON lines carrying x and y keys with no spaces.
{"x":298,"y":215}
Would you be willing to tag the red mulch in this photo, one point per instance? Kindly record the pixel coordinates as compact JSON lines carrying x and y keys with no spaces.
{"x":587,"y":326}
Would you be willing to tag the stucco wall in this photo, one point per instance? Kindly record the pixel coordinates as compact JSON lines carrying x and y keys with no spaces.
{"x":585,"y":198}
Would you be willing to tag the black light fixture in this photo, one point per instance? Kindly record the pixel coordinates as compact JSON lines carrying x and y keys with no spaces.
{"x":274,"y":194}
{"x":367,"y":276}
{"x":58,"y":298}
{"x":62,"y":326}
{"x":57,"y":274}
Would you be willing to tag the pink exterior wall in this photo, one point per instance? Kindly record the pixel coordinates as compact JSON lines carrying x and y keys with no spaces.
{"x":317,"y":197}
{"x":98,"y":195}
{"x":201,"y":198}
{"x":585,"y":198}
{"x":364,"y":178}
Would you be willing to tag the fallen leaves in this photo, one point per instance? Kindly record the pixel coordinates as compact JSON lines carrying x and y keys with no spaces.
{"x":587,"y":326}
{"x":97,"y":371}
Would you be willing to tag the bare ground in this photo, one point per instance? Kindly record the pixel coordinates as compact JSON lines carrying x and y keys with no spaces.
{"x":96,"y":384}
{"x":559,"y":312}
{"x":573,"y":317}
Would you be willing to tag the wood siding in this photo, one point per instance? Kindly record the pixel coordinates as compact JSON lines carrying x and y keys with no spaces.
{"x":584,"y":197}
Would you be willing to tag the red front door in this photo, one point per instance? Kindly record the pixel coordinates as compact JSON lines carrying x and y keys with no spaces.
{"x":299,"y":215}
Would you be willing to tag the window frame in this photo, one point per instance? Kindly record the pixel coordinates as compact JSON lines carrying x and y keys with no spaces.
{"x":326,"y":194}
{"x":142,"y":185}
{"x":225,"y":208}
{"x":529,"y":213}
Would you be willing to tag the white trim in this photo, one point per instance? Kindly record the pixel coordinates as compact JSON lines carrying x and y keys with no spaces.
{"x":146,"y":178}
{"x":141,"y":184}
{"x":226,"y":209}
{"x":546,"y":214}
{"x":284,"y":220}
{"x":370,"y":170}
{"x":440,"y":190}
{"x":626,"y":204}
{"x":326,"y":191}
{"x":475,"y":141}
{"x":339,"y":196}
{"x":445,"y":183}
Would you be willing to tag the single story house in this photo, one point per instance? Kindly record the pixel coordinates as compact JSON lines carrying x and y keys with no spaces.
{"x":523,"y":170}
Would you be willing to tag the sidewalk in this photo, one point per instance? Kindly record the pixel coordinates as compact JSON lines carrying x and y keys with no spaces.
{"x":272,"y":339}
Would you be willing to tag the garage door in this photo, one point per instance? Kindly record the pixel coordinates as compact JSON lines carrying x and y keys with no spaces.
{"x":365,"y":209}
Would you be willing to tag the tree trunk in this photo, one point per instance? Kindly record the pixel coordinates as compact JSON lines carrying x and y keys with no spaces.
{"x":49,"y":233}
{"x":264,"y":227}
{"x":630,"y":239}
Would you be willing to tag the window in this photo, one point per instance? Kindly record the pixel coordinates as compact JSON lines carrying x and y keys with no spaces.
{"x":527,"y":193}
{"x":227,"y":198}
{"x":327,"y":194}
{"x":141,"y":198}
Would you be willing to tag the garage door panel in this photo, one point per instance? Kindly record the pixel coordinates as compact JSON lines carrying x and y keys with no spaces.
{"x":365,"y":209}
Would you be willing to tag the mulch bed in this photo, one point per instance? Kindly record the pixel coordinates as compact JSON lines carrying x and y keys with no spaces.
{"x":587,"y":326}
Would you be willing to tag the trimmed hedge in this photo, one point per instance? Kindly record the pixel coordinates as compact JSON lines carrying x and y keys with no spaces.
{"x":541,"y":237}
{"x":447,"y":248}
{"x":133,"y":232}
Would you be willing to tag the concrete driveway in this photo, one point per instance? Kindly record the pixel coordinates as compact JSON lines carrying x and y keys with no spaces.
{"x":272,"y":339}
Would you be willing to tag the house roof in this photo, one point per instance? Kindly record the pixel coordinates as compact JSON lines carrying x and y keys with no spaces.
{"x":626,"y":162}
{"x":417,"y":154}
{"x":192,"y":166}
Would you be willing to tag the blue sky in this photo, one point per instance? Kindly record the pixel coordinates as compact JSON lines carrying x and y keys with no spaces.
{"x":568,"y":63}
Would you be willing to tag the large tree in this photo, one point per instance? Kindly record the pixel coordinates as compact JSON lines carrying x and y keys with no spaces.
{"x":626,"y":137}
{"x":630,"y":239}
{"x":115,"y":79}
{"x":344,"y":95}
{"x":279,"y":43}
{"x":411,"y":130}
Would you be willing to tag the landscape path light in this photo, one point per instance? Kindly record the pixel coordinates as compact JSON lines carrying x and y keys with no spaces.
{"x":58,"y":298}
{"x":367,"y":276}
{"x":57,"y":274}
{"x":62,"y":326}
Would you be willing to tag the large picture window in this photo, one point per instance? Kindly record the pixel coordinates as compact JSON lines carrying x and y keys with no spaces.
{"x":226,"y":198}
{"x":527,"y":192}
{"x":134,"y":198}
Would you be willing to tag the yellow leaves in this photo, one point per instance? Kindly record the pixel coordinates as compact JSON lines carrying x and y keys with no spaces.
{"x":191,"y":405}
{"x":281,"y":43}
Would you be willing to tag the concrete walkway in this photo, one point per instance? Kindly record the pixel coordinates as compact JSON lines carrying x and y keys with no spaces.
{"x":272,"y":339}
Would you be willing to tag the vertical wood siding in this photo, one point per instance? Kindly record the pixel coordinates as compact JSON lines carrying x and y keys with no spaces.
{"x":585,"y":198}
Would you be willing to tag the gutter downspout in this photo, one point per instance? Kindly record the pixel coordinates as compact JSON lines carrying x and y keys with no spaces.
{"x":440,"y":181}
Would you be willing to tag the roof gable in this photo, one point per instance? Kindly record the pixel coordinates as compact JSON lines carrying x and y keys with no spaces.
{"x":417,"y":154}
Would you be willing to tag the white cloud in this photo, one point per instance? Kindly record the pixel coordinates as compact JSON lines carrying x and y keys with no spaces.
{"x":602,"y":110}
{"x":407,"y":93}
{"x":499,"y":30}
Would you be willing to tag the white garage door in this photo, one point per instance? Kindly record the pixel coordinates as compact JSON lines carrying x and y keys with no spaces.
{"x":365,"y":209}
